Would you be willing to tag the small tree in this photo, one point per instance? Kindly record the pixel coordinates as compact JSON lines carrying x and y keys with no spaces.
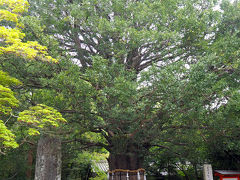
{"x":12,"y":44}
{"x":44,"y":120}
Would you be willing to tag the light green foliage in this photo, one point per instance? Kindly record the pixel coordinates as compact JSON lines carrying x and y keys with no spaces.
{"x":12,"y":37}
{"x":7,"y":138}
{"x":93,"y":137}
{"x":6,"y":80}
{"x":12,"y":43}
{"x":11,"y":9}
{"x":40,"y":117}
{"x":7,"y":99}
{"x":7,"y":102}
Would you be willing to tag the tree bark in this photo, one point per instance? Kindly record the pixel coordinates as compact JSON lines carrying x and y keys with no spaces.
{"x":29,"y":163}
{"x":48,"y":162}
{"x":128,"y":161}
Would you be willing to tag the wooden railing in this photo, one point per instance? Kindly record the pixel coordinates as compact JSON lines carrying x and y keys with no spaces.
{"x":123,"y":174}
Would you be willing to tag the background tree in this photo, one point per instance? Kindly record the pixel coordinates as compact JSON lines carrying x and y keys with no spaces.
{"x":207,"y":97}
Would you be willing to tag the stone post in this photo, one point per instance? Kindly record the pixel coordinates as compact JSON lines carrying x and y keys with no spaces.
{"x":207,"y":172}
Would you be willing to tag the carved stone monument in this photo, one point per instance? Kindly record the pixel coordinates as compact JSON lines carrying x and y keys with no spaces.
{"x":207,"y":172}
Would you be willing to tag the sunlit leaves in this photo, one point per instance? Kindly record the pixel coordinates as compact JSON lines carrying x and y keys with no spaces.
{"x":7,"y":99}
{"x":11,"y":38}
{"x":7,"y":138}
{"x":11,"y":43}
{"x":15,"y":6}
{"x":7,"y":102}
{"x":40,"y":117}
{"x":8,"y":16}
{"x":11,"y":9}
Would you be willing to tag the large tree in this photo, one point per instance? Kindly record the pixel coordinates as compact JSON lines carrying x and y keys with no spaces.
{"x":100,"y":86}
{"x":111,"y":42}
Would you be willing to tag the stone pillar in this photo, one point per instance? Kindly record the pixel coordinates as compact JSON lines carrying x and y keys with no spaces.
{"x":207,"y":172}
{"x":48,"y":162}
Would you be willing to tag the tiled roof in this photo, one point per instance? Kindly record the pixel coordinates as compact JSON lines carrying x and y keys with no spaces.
{"x":101,"y":165}
{"x":227,"y":172}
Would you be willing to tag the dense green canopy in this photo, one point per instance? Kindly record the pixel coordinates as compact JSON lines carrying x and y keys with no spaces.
{"x":137,"y":78}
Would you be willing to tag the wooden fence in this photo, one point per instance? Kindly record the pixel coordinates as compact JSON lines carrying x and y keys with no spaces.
{"x":122,"y":174}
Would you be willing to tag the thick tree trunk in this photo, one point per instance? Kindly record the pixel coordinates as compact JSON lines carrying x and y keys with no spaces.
{"x":48,"y":162}
{"x":129,"y":161}
{"x":125,"y":166}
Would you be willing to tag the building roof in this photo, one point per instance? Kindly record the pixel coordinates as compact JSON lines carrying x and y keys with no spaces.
{"x":100,"y":166}
{"x":227,"y":172}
